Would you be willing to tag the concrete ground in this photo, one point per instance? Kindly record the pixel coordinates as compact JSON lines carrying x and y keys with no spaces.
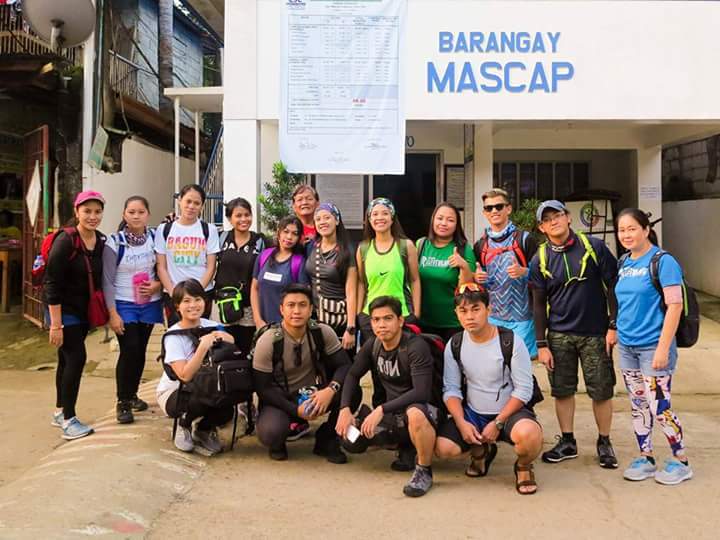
{"x":130,"y":482}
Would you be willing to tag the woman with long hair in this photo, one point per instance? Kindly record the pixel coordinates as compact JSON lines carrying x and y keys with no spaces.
{"x":133,"y":297}
{"x":333,"y":274}
{"x":649,"y":293}
{"x":444,"y":260}
{"x":276,"y":268}
{"x":73,"y":271}
{"x":187,"y":249}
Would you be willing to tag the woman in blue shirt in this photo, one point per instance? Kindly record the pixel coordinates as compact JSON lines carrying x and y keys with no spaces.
{"x":646,"y":324}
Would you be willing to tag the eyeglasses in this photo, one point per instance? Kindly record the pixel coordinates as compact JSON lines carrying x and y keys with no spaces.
{"x":552,"y":217}
{"x":469,"y":286}
{"x":490,"y":207}
{"x":297,"y":362}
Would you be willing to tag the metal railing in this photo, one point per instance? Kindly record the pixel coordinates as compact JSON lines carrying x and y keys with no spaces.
{"x":16,"y":37}
{"x":212,"y":183}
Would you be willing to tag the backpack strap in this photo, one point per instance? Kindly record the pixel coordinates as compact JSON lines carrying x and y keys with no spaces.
{"x":654,"y":269}
{"x":223,"y":238}
{"x":120,"y":242}
{"x":317,"y":348}
{"x":194,"y":334}
{"x":542,"y":260}
{"x":167,"y":227}
{"x":421,"y":246}
{"x":519,"y":238}
{"x":621,"y":260}
{"x":278,"y":363}
{"x":363,"y":248}
{"x":481,"y":251}
{"x":205,"y":229}
{"x":296,"y":261}
{"x":264,"y":257}
{"x":455,"y":346}
{"x":507,"y":342}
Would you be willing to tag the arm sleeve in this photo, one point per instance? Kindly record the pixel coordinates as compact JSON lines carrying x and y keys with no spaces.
{"x":609,"y":269}
{"x":421,"y":372}
{"x":109,"y":274}
{"x":271,"y":394}
{"x":530,"y":247}
{"x":338,"y":364}
{"x":452,"y":377}
{"x":55,"y":274}
{"x":521,"y":372}
{"x":361,"y":365}
{"x":540,"y":312}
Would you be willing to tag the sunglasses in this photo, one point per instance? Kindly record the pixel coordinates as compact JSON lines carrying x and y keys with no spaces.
{"x":470,"y":286}
{"x":491,"y":207}
{"x":297,"y":362}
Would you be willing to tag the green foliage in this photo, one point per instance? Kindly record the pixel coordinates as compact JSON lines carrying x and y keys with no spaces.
{"x":524,"y":217}
{"x":276,"y":199}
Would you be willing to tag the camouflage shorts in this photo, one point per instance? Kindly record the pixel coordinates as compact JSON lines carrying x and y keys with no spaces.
{"x":597,"y":366}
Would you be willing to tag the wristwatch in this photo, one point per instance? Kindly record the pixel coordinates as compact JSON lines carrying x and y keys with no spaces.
{"x":334,"y":386}
{"x":542,"y":343}
{"x":351,"y":330}
{"x":499,"y":424}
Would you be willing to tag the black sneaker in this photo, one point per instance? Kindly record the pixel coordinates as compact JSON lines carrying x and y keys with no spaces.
{"x":124,"y":412}
{"x":298,"y":430}
{"x":138,"y":404}
{"x":406,"y":459}
{"x":561,"y":451}
{"x":279,"y":454}
{"x":330,"y":450}
{"x":606,"y":454}
{"x":420,"y":483}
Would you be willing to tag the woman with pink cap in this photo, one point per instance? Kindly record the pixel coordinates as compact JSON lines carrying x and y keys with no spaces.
{"x":74,"y":263}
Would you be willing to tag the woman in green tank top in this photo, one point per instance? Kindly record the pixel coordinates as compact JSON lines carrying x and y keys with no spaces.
{"x":387,"y":263}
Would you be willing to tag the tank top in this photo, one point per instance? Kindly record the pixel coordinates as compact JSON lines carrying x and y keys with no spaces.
{"x":385,"y":274}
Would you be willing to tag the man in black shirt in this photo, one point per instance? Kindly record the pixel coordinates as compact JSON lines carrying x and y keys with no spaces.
{"x":404,"y":366}
{"x":572,"y":276}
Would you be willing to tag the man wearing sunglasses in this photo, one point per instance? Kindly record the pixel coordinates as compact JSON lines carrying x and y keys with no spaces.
{"x":572,"y":276}
{"x":291,"y":361}
{"x":404,"y":365}
{"x":503,"y":254}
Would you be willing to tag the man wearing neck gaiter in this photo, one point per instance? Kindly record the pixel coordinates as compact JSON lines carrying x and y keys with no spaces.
{"x":572,"y":276}
{"x":503,"y":254}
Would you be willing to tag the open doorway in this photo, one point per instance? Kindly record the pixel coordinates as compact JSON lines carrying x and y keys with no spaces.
{"x":413,"y":193}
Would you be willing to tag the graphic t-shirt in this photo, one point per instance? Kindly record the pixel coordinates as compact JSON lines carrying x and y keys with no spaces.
{"x":186,"y":250}
{"x":439,"y":280}
{"x":640,"y":314}
{"x":178,"y":348}
{"x":135,"y":259}
{"x":272,"y":279}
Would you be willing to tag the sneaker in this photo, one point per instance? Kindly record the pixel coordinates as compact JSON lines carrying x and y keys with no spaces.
{"x":138,"y":404}
{"x":405,"y":459}
{"x":298,"y":430}
{"x":606,"y":454}
{"x":183,"y":439}
{"x":330,"y":449}
{"x":124,"y":412}
{"x":279,"y":454}
{"x":420,"y":483}
{"x":640,"y":469}
{"x":57,"y":419}
{"x":208,"y":440}
{"x":561,"y":451}
{"x":673,"y":472}
{"x":75,"y":429}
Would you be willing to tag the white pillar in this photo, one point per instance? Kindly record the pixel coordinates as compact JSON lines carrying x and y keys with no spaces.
{"x":88,"y":128}
{"x":177,"y":143}
{"x":482,"y":175}
{"x":649,"y":184}
{"x":197,"y":147}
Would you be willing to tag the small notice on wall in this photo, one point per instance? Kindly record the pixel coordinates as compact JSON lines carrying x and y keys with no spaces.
{"x":346,"y":192}
{"x":650,"y":193}
{"x":455,"y":185}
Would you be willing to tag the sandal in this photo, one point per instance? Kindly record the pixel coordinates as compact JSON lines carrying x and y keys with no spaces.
{"x":480,"y":462}
{"x":525,"y":483}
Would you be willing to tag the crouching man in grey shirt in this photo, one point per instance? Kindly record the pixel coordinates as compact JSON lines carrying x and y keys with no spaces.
{"x":486,"y":398}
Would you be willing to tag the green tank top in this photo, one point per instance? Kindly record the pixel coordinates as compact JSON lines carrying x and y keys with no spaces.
{"x":385,"y":274}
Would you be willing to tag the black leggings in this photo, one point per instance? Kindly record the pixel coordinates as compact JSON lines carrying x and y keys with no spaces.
{"x":212,"y":417}
{"x":131,"y":362}
{"x":71,"y":362}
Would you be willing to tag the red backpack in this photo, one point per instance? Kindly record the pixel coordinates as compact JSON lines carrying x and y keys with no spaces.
{"x":485,"y":254}
{"x":38,"y":269}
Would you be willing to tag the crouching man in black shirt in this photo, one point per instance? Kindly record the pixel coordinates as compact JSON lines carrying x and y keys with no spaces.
{"x":404,"y":365}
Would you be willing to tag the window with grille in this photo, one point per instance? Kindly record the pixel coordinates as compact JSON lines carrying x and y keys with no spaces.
{"x":541,"y":179}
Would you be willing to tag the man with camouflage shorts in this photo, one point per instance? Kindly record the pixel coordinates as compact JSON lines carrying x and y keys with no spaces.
{"x":572,"y":276}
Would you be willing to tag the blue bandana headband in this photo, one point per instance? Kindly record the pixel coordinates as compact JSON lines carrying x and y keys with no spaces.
{"x":381,"y":201}
{"x":330,"y":207}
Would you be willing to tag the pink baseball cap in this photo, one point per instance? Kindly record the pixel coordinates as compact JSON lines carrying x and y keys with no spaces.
{"x":85,"y":196}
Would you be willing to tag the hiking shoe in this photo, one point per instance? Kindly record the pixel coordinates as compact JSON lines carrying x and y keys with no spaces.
{"x":75,"y":429}
{"x":673,"y":472}
{"x":208,"y":440}
{"x":138,"y":404}
{"x":124,"y":412}
{"x":405,"y":459}
{"x":330,"y":449}
{"x":298,"y":430}
{"x":279,"y":454}
{"x":420,"y":483}
{"x":606,"y":454}
{"x":57,"y":419}
{"x":640,"y":469}
{"x":183,"y":439}
{"x":561,"y":451}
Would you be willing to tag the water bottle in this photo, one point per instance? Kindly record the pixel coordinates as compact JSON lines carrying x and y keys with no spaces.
{"x":38,"y":263}
{"x":304,"y":395}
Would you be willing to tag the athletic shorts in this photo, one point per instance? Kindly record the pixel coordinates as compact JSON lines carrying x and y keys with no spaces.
{"x":524,"y":329}
{"x":130,"y":312}
{"x":393,"y":429}
{"x":450,"y":431}
{"x":597,"y":366}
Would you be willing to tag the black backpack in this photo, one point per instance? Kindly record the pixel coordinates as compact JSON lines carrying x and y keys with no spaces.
{"x":688,"y":330}
{"x":507,"y":342}
{"x":317,"y":351}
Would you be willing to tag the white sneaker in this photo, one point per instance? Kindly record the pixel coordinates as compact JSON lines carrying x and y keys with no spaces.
{"x":183,"y":439}
{"x":57,"y":419}
{"x":673,"y":472}
{"x":640,"y":469}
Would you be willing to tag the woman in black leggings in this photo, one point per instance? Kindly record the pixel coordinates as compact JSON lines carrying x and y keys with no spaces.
{"x":75,"y":258}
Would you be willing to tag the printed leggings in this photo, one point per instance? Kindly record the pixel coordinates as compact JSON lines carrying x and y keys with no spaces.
{"x":650,"y":402}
